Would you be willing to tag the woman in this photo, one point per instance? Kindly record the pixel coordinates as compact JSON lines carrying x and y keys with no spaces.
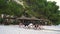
{"x":21,"y":25}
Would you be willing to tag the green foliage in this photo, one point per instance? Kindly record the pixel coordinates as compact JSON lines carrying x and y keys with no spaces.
{"x":15,"y":8}
{"x":37,"y":8}
{"x":3,"y":6}
{"x":1,"y":20}
{"x":10,"y":8}
{"x":48,"y":10}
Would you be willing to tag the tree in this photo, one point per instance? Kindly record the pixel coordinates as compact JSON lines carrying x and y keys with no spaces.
{"x":10,"y":7}
{"x":36,"y":8}
{"x":15,"y":9}
{"x":3,"y":6}
{"x":48,"y":10}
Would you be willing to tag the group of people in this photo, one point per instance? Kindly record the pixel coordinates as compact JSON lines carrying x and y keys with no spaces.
{"x":30,"y":26}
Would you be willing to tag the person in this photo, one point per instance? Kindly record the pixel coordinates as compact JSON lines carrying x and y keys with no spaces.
{"x":40,"y":27}
{"x":21,"y":25}
{"x":30,"y":26}
{"x":36,"y":26}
